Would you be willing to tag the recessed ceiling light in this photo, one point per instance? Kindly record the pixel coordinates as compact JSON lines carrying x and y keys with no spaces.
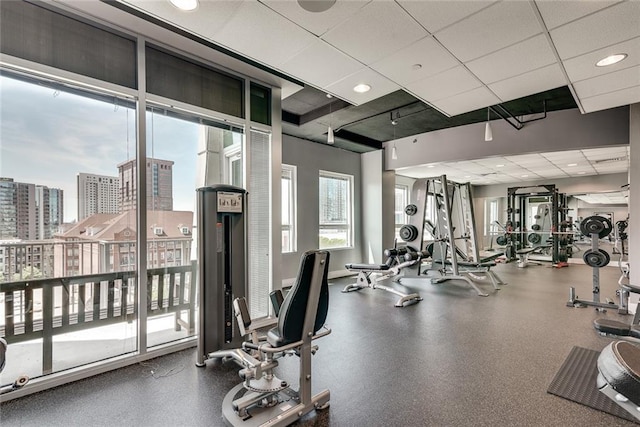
{"x":524,"y":176}
{"x":362,"y":88}
{"x":611,"y":59}
{"x":581,"y":173}
{"x":185,"y":4}
{"x":467,"y":176}
{"x":416,"y":66}
{"x":572,"y":164}
{"x":499,"y":166}
{"x":431,"y":166}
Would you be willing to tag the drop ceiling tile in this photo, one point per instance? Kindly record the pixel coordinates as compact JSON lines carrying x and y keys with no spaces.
{"x":435,"y":15}
{"x":321,"y":64}
{"x":445,"y":84}
{"x":379,"y":86}
{"x":584,"y":66}
{"x":607,"y":27}
{"x":514,"y":60}
{"x":491,"y":29}
{"x":467,"y":101}
{"x":379,"y":28}
{"x":204,"y":21}
{"x":605,"y":153}
{"x":546,"y":78}
{"x":316,"y":22}
{"x":563,"y":155}
{"x":610,"y":100}
{"x":262,"y":34}
{"x":492,"y":162}
{"x":615,"y":81}
{"x":556,"y":13}
{"x":432,"y":57}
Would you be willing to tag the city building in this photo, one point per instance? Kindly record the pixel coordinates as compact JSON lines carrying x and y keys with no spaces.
{"x":97,"y":194}
{"x":159,"y":184}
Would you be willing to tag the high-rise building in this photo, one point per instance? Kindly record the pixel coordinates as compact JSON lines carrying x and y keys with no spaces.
{"x":97,"y":194}
{"x":159,"y":185}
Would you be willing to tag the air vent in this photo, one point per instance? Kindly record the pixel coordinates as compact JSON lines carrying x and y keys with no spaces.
{"x":611,"y":160}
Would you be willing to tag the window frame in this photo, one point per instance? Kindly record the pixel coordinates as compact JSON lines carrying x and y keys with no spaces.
{"x":348,"y":214}
{"x":292,"y":197}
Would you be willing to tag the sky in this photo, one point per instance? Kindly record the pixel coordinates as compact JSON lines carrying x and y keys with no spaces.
{"x":47,"y":137}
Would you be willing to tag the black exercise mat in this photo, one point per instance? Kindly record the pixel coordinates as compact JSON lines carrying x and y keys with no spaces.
{"x":576,"y":381}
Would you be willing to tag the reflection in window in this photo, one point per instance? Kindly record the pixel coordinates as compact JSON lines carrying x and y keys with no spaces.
{"x":335,"y":197}
{"x":401,"y":201}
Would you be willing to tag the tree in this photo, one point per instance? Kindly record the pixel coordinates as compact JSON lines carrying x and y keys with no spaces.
{"x":28,"y":272}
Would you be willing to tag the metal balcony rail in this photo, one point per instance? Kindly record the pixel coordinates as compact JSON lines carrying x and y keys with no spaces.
{"x":42,"y":308}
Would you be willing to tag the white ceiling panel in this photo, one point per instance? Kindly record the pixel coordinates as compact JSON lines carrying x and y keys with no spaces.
{"x":514,"y":60}
{"x":437,"y":14}
{"x":610,"y":100}
{"x":262,"y":34}
{"x":311,"y":64}
{"x":563,"y":155}
{"x":491,"y":29}
{"x":605,"y":153}
{"x":610,"y":26}
{"x":401,"y":66}
{"x":467,"y":101}
{"x":622,"y":79}
{"x":445,"y":84}
{"x":556,"y":13}
{"x":320,"y":22}
{"x":546,"y":78}
{"x":380,"y":86}
{"x":205,"y":21}
{"x":381,"y":27}
{"x":584,"y":66}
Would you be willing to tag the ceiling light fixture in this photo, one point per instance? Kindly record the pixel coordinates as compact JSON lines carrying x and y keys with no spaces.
{"x":362,"y":88}
{"x":611,"y":59}
{"x":488,"y":134}
{"x":394,"y":152}
{"x":330,"y":137}
{"x":572,"y":164}
{"x":185,"y":5}
{"x":499,"y":166}
{"x":316,"y":6}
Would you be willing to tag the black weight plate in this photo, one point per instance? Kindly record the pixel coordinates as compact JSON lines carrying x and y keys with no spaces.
{"x":534,"y":238}
{"x":599,"y":258}
{"x":501,"y":240}
{"x":535,"y":227}
{"x":408,"y":232}
{"x":411,"y":210}
{"x":562,"y":255}
{"x":596,"y":224}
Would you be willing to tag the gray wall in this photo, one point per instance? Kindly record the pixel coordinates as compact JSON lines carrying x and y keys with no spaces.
{"x":310,"y":158}
{"x":561,"y":130}
{"x":634,"y":190}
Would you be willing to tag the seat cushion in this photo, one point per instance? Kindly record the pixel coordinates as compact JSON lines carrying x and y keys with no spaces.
{"x":366,"y":267}
{"x":609,"y":326}
{"x":619,"y":365}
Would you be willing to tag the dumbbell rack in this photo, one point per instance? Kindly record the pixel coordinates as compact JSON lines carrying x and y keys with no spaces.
{"x":598,"y":258}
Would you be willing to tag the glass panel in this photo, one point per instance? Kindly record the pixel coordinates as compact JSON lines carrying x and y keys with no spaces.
{"x":335,"y":210}
{"x":171,"y":184}
{"x":67,"y":290}
{"x":260,"y":104}
{"x":401,"y":202}
{"x":288,"y":208}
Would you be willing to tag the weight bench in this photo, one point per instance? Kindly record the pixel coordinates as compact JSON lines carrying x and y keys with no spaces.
{"x":370,"y":276}
{"x":619,"y":375}
{"x":263,"y":398}
{"x":523,"y":254}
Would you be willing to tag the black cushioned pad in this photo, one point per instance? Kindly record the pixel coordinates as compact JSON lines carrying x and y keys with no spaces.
{"x":612,"y":327}
{"x":367,"y":267}
{"x":619,"y":364}
{"x":576,"y":381}
{"x":469,"y":264}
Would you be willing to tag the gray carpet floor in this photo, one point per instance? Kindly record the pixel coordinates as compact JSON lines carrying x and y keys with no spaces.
{"x":454,"y":359}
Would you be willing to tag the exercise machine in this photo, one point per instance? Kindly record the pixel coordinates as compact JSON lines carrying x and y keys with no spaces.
{"x":372,"y":275}
{"x":597,"y":227}
{"x":263,"y":398}
{"x":442,"y":223}
{"x":619,"y":375}
{"x":221,"y":266}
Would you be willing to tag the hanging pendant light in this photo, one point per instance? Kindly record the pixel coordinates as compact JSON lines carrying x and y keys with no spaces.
{"x":488,"y":134}
{"x":394,"y":152}
{"x":330,"y":137}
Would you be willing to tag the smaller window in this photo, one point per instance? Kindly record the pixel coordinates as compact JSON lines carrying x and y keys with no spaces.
{"x":336,"y":210}
{"x":288,"y":208}
{"x":401,"y":202}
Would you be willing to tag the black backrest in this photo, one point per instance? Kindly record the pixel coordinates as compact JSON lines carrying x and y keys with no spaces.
{"x":294,"y":307}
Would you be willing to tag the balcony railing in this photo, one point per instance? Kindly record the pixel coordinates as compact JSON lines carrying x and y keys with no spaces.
{"x":43,"y":308}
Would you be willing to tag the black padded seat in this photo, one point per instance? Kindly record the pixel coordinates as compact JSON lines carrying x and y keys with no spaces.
{"x":525,"y":251}
{"x":294,"y":307}
{"x":469,"y":264}
{"x":614,"y":327}
{"x":367,"y":267}
{"x":619,"y":365}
